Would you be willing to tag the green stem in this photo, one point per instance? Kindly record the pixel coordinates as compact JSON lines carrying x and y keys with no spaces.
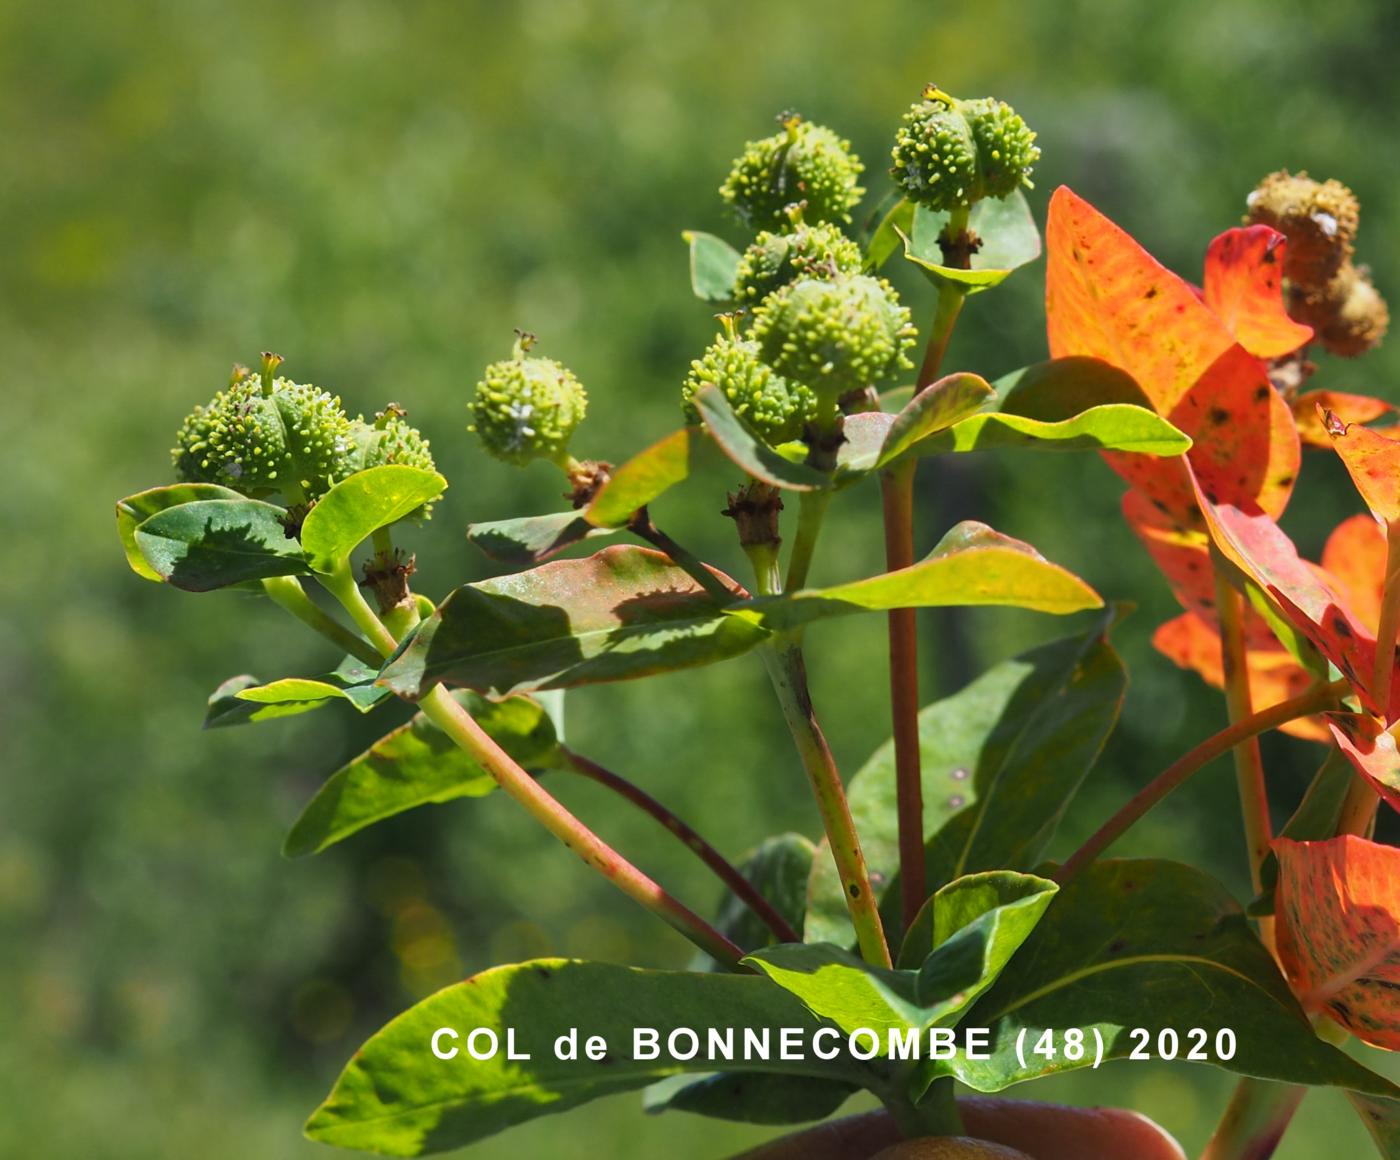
{"x":936,"y":1113}
{"x":287,"y":592}
{"x":341,"y":584}
{"x":897,"y":486}
{"x":1316,"y":699}
{"x":767,"y":571}
{"x":951,"y":296}
{"x":1249,"y":764}
{"x":725,"y":871}
{"x":788,"y":673}
{"x":1255,"y":1120}
{"x":811,"y":511}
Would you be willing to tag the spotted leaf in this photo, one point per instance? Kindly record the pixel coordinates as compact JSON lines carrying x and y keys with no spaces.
{"x":1244,"y":287}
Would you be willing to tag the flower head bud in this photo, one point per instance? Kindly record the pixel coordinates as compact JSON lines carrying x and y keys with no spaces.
{"x":775,"y":409}
{"x":950,"y":153}
{"x":1348,"y":315}
{"x":265,"y":435}
{"x":390,"y":439}
{"x":774,"y":260}
{"x":1319,"y":219}
{"x":802,"y":162}
{"x":834,"y":335}
{"x":527,"y":408}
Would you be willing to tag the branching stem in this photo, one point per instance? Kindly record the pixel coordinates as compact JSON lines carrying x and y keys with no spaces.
{"x":287,"y":592}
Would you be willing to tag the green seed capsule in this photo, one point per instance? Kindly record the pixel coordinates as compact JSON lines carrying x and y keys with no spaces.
{"x":774,"y":260}
{"x":803,"y":163}
{"x":775,"y":409}
{"x":264,"y":436}
{"x":527,"y":408}
{"x":950,"y":153}
{"x":390,"y":439}
{"x":834,"y":335}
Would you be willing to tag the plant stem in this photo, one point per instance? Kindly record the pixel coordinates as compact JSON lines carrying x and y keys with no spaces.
{"x":459,"y":725}
{"x":1249,"y":765}
{"x":811,"y":510}
{"x":1319,"y":697}
{"x":287,"y":592}
{"x":642,"y":526}
{"x":788,"y":672}
{"x":951,"y":296}
{"x":936,"y":1113}
{"x":1254,"y":1121}
{"x":341,"y":584}
{"x":740,"y":886}
{"x":768,"y":575}
{"x":897,"y":489}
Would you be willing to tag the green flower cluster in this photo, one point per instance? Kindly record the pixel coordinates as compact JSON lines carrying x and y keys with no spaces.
{"x":527,"y":408}
{"x":950,"y":153}
{"x":775,"y":259}
{"x":777,"y":410}
{"x":803,"y":163}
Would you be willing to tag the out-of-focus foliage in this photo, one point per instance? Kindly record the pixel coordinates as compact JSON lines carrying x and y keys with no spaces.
{"x":380,"y":192}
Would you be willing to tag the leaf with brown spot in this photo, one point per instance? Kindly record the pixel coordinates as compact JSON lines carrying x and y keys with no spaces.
{"x":1244,"y":287}
{"x":1107,"y":297}
{"x":1373,"y":462}
{"x":1348,"y":408}
{"x":1371,"y":751}
{"x":1338,"y":906}
{"x":1354,"y":558}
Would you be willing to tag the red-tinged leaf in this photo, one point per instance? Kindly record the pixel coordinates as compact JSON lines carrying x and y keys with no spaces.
{"x":1245,"y":446}
{"x":1348,"y":408}
{"x":1373,"y":462}
{"x":1354,"y":558}
{"x":1371,"y":750}
{"x":1107,"y":297}
{"x":1274,"y":676}
{"x":1338,"y":905}
{"x":1244,"y":287}
{"x":1257,"y":546}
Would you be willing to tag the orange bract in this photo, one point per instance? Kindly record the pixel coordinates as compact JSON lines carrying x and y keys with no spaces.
{"x":1243,"y":286}
{"x":1308,"y":409}
{"x":1338,"y":909}
{"x":1354,"y":558}
{"x":1374,"y":464}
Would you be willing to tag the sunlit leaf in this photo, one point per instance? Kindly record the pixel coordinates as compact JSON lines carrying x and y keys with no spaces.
{"x":1061,"y":388}
{"x":363,"y":503}
{"x":1112,"y":427}
{"x":1371,"y":750}
{"x":1354,"y":557}
{"x":896,"y":225}
{"x":749,"y":452}
{"x":1309,"y":407}
{"x":1244,"y":287}
{"x":245,"y":698}
{"x":936,"y":407}
{"x":531,"y":539}
{"x":642,"y":478}
{"x":713,"y":265}
{"x":1338,"y":906}
{"x":1373,"y":462}
{"x":624,"y":612}
{"x":1003,"y":225}
{"x":214,"y":543}
{"x":417,"y":764}
{"x":1317,"y":816}
{"x":136,"y":509}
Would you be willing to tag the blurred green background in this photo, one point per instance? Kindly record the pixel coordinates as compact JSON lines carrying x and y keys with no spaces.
{"x":381,"y":191}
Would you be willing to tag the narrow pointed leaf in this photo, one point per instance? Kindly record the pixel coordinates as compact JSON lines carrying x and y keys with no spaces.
{"x":624,"y":612}
{"x":397,"y":1099}
{"x":935,"y":408}
{"x":214,"y":543}
{"x":1001,"y":760}
{"x":1111,"y":427}
{"x":1244,"y":287}
{"x":642,"y":478}
{"x":354,"y":508}
{"x":713,"y":266}
{"x":749,"y":452}
{"x":531,"y":539}
{"x":1006,"y":229}
{"x":134,"y":510}
{"x":1154,"y":945}
{"x":242,"y":699}
{"x":1338,"y":908}
{"x":417,"y":764}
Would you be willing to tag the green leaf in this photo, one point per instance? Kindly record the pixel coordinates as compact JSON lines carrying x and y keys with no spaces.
{"x":1009,"y":240}
{"x":749,"y":452}
{"x":1382,"y":1120}
{"x":134,"y":510}
{"x":1111,"y":427}
{"x":778,"y":869}
{"x":971,"y":565}
{"x":749,"y":1097}
{"x":531,"y":539}
{"x":1061,"y":388}
{"x":713,"y":266}
{"x":894,"y":227}
{"x":1315,"y":818}
{"x":242,"y":699}
{"x":363,"y":503}
{"x":624,"y":612}
{"x":397,"y":1099}
{"x":417,"y":764}
{"x":935,"y":408}
{"x":964,"y":936}
{"x":838,"y":986}
{"x":642,"y":478}
{"x":1001,"y":760}
{"x":213,"y":543}
{"x":1154,"y":945}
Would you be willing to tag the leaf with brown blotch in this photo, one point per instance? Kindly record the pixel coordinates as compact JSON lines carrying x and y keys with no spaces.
{"x":1373,"y":462}
{"x":1338,"y":906}
{"x":1371,"y":750}
{"x":1348,"y":408}
{"x":1354,"y":558}
{"x":1107,"y":297}
{"x":1274,"y":676}
{"x":1244,"y":287}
